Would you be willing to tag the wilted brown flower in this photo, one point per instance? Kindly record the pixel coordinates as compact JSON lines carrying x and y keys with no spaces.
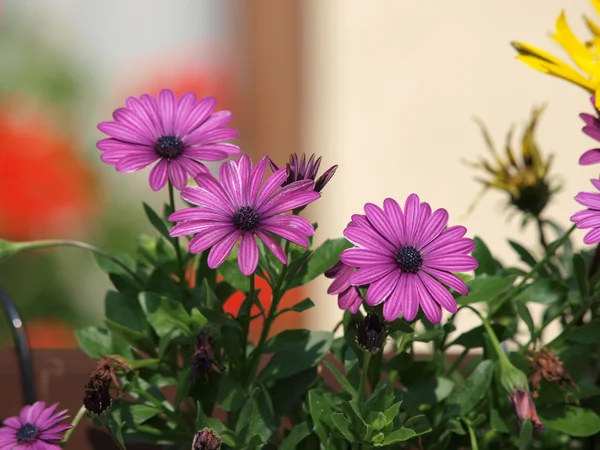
{"x":525,"y":408}
{"x":97,"y":398}
{"x":547,"y":365}
{"x":203,"y":359}
{"x":524,"y":176}
{"x":371,"y":333}
{"x":206,"y":439}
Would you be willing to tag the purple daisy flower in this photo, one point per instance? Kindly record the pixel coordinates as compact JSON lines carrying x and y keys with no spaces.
{"x":348,"y":296}
{"x":590,"y":217}
{"x":404,"y":256}
{"x":236,"y":206}
{"x":305,"y":170}
{"x":36,"y":428}
{"x":592,"y":129}
{"x":178,"y":133}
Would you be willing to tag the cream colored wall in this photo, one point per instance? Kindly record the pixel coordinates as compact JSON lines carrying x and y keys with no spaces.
{"x":391,"y":86}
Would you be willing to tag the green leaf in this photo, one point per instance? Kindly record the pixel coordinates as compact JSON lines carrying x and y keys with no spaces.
{"x":300,"y":432}
{"x":543,"y":290}
{"x":485,"y":289}
{"x":487,"y":264}
{"x":94,"y":341}
{"x":107,"y":266}
{"x":427,"y":336}
{"x":419,"y":424}
{"x":526,"y":257}
{"x":232,"y":275}
{"x":288,"y":362}
{"x":157,"y":221}
{"x":455,"y":426}
{"x":526,"y":435}
{"x":125,"y":311}
{"x":392,"y":412}
{"x":474,"y":337}
{"x":321,"y":259}
{"x":466,"y":398}
{"x":429,"y":391}
{"x":256,"y":418}
{"x":231,"y":395}
{"x":524,"y":313}
{"x":377,"y":420}
{"x":580,"y":272}
{"x":304,"y":305}
{"x":321,"y":411}
{"x":286,"y":340}
{"x":165,"y":314}
{"x":289,"y":393}
{"x":184,"y":384}
{"x":585,"y":334}
{"x":133,"y":338}
{"x":497,"y":422}
{"x":344,"y":383}
{"x":136,"y":414}
{"x":343,"y":424}
{"x":399,"y":435}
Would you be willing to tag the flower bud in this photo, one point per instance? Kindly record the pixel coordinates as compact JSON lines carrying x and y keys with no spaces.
{"x":525,"y":408}
{"x":206,"y":439}
{"x":97,"y":398}
{"x":371,"y":333}
{"x":203,"y":359}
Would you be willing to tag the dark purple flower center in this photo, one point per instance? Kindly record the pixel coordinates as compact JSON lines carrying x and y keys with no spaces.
{"x":409,"y":259}
{"x":28,"y":433}
{"x":169,"y":146}
{"x":246,"y":219}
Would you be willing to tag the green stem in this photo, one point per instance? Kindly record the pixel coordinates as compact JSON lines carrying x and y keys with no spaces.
{"x":574,"y":321}
{"x":176,"y":242}
{"x":112,"y":435}
{"x":459,"y":359}
{"x":74,"y":424}
{"x":521,"y":286}
{"x":540,"y":225}
{"x":363,"y":377}
{"x":276,"y":298}
{"x":474,"y":445}
{"x":35,"y":245}
{"x":490,"y":331}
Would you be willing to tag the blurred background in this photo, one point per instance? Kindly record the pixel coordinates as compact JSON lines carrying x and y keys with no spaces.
{"x":386,"y":90}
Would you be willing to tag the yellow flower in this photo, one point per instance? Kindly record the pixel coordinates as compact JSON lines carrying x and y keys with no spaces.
{"x":525,"y":180}
{"x":584,"y":55}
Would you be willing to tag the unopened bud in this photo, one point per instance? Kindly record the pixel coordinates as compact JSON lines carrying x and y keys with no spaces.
{"x":371,"y":333}
{"x":206,"y":439}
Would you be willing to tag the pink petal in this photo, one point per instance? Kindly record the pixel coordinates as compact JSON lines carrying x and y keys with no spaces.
{"x":382,"y":224}
{"x":211,"y":236}
{"x":150,"y":104}
{"x":433,"y":227}
{"x":197,"y":226}
{"x":411,"y":218}
{"x":125,"y":133}
{"x":232,"y":181}
{"x":214,"y":122}
{"x":193,"y":167}
{"x":446,"y":237}
{"x":152,"y":122}
{"x":273,"y":246}
{"x":589,"y":199}
{"x":13,"y":422}
{"x":273,"y":182}
{"x":449,"y":279}
{"x":167,"y":106}
{"x":201,"y":111}
{"x":396,"y":219}
{"x":198,"y":214}
{"x":424,"y":217}
{"x":255,"y":180}
{"x":432,"y":310}
{"x":158,"y":175}
{"x":454,"y":263}
{"x":393,"y":306}
{"x":291,"y":234}
{"x":370,"y":274}
{"x":135,"y":162}
{"x":381,"y":289}
{"x":292,"y":196}
{"x":212,"y":152}
{"x":297,"y":223}
{"x":369,"y":239}
{"x":461,"y":246}
{"x":592,"y":131}
{"x":185,"y":104}
{"x":350,"y":299}
{"x":218,"y":254}
{"x":214,"y":136}
{"x":177,"y":174}
{"x":410,"y":301}
{"x":359,"y":257}
{"x":592,"y":236}
{"x":209,"y":189}
{"x":248,"y":254}
{"x":590,"y":157}
{"x":438,"y":292}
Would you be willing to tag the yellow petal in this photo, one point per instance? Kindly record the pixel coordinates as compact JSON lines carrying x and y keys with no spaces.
{"x":577,"y":50}
{"x":561,"y":71}
{"x":595,"y":29}
{"x":596,"y":5}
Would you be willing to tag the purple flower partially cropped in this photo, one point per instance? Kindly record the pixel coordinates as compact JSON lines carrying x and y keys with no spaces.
{"x":236,"y":206}
{"x":590,"y":217}
{"x":36,"y":428}
{"x":305,"y":170}
{"x":592,"y":129}
{"x":178,"y":133}
{"x":348,"y":296}
{"x":404,"y":256}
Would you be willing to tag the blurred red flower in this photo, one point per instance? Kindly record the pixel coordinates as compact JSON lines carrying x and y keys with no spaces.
{"x":46,"y":190}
